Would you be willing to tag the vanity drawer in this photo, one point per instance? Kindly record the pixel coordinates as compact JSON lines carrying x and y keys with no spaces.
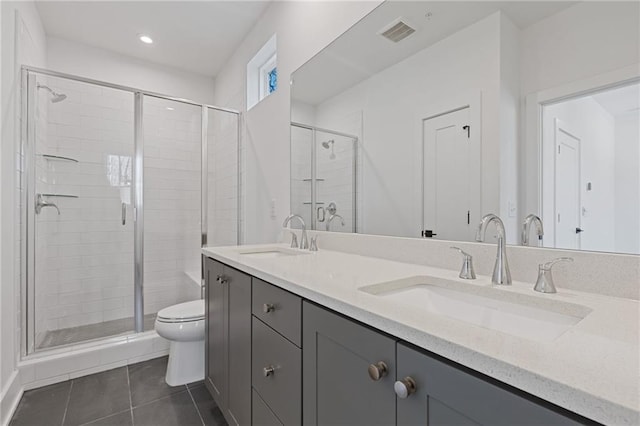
{"x":261,"y":414}
{"x":276,"y":373}
{"x":278,"y":308}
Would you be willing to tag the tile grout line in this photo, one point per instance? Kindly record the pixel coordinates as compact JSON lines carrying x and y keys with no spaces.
{"x":130,"y":399}
{"x":66,"y":408}
{"x":195,"y":405}
{"x":102,"y":418}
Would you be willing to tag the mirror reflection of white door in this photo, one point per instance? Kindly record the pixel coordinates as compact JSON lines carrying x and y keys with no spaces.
{"x":567,"y":187}
{"x":447,"y":175}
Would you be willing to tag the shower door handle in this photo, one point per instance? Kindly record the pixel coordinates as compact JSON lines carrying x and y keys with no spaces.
{"x":124,"y":214}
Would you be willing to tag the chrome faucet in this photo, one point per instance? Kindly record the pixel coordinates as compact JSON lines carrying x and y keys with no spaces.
{"x":544,"y":284}
{"x":331,"y":217}
{"x":526,"y":228}
{"x":42,"y":203}
{"x":304,"y":242}
{"x":501,"y":274}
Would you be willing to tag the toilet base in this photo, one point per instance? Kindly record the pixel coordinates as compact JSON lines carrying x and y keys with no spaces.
{"x":186,"y":363}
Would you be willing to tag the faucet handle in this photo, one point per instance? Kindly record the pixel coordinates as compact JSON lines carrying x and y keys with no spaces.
{"x":544,"y":283}
{"x":466,"y":272}
{"x":294,"y":240}
{"x":549,"y":265}
{"x":313,"y":246}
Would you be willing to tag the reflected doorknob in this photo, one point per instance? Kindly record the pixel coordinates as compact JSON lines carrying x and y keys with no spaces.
{"x":405,"y":387}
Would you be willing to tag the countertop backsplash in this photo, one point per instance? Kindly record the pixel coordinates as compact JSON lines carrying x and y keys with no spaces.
{"x":609,"y":274}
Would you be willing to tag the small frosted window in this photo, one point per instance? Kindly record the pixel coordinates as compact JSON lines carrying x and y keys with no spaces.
{"x":268,"y":76}
{"x":273,"y":80}
{"x":262,"y":73}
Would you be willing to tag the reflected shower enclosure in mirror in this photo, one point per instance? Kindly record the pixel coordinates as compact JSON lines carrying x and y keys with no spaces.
{"x":459,"y":109}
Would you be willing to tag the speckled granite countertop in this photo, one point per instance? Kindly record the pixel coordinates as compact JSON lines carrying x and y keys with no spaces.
{"x":591,"y":369}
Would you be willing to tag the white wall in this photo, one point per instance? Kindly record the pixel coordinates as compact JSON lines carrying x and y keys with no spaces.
{"x":587,"y":39}
{"x":303,"y":29}
{"x":23,"y":42}
{"x":627,"y":183}
{"x":444,"y":76}
{"x":99,"y":64}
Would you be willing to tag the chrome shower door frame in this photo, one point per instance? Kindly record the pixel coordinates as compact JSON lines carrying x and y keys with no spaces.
{"x":27,"y":251}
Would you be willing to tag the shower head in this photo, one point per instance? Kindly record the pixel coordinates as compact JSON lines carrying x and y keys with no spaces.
{"x":55,"y":96}
{"x":327,"y":144}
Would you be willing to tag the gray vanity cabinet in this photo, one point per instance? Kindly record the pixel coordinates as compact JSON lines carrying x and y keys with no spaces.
{"x":228,"y":340}
{"x":336,"y":384}
{"x":447,"y":395}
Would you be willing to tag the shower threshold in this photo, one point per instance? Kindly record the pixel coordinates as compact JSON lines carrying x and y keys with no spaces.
{"x":83,"y":333}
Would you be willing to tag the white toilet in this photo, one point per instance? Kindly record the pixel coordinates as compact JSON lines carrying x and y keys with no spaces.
{"x":183,"y":325}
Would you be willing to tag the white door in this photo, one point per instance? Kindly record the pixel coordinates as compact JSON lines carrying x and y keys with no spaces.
{"x":567,"y":188}
{"x":447,"y":175}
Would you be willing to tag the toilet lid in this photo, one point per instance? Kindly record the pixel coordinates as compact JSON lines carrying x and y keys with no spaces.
{"x":188,"y":311}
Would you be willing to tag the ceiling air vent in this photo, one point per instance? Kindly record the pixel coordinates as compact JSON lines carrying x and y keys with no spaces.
{"x":397,"y":31}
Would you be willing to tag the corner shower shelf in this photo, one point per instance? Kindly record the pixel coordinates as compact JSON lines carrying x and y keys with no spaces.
{"x":309,"y":180}
{"x":60,"y":195}
{"x":58,"y":158}
{"x":309,"y":202}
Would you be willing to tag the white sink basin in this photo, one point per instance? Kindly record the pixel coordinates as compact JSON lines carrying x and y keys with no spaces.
{"x":520,"y":315}
{"x":271,"y":252}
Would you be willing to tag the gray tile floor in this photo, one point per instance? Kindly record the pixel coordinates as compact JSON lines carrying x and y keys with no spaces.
{"x":66,"y":336}
{"x":133,"y":395}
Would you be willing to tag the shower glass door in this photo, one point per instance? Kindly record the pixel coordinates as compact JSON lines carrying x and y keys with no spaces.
{"x":324,"y":166}
{"x":78,"y":195}
{"x":335,"y":182}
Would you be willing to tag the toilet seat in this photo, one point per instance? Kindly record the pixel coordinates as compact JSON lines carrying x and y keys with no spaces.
{"x":182,"y":312}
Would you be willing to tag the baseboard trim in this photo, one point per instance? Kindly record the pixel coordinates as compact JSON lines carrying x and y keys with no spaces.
{"x":10,"y":398}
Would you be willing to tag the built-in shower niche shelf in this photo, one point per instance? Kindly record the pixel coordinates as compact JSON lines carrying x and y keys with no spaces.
{"x":309,"y":202}
{"x":310,"y":180}
{"x":60,"y":195}
{"x":50,"y":157}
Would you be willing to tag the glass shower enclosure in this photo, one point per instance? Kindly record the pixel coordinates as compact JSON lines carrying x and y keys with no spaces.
{"x":324,"y":166}
{"x":120,"y":188}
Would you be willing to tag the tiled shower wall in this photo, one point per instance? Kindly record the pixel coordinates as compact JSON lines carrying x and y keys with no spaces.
{"x":172,"y":175}
{"x":301,"y":143}
{"x":84,"y":255}
{"x":222,"y":181}
{"x":335,"y":182}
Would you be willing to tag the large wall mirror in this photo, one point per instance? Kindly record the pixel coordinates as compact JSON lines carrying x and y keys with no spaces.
{"x":425,"y":116}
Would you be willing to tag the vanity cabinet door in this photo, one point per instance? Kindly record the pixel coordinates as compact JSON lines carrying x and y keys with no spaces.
{"x":228,"y":341}
{"x":239,"y":346}
{"x":216,"y":325}
{"x":337,"y":387}
{"x":446,"y":395}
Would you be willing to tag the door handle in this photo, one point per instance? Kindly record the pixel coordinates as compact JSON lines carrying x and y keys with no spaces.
{"x":124,"y":214}
{"x":318,"y":210}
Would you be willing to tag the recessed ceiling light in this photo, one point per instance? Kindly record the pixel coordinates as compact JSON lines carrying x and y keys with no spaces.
{"x":145,"y":38}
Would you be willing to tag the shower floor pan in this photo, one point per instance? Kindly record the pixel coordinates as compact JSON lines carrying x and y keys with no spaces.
{"x":67,"y":336}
